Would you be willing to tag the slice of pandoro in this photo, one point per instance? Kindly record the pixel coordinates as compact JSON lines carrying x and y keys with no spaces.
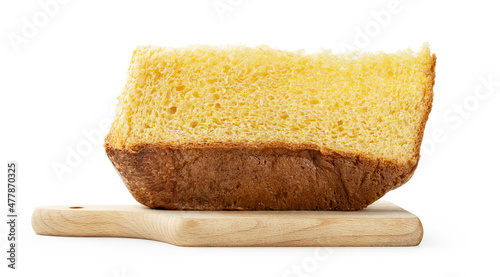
{"x":241,"y":128}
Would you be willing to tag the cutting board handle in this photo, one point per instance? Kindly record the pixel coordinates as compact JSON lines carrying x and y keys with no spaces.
{"x":104,"y":221}
{"x":381,"y":224}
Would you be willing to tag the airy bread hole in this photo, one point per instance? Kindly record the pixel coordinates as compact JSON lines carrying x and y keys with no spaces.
{"x":314,"y":101}
{"x":172,"y":110}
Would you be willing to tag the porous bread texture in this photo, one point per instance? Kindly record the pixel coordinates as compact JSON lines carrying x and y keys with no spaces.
{"x":369,"y":104}
{"x":239,"y":128}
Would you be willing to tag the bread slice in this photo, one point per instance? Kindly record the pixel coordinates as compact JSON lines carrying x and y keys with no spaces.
{"x":240,"y":128}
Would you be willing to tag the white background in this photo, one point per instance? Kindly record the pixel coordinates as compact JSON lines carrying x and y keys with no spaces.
{"x":59,"y":82}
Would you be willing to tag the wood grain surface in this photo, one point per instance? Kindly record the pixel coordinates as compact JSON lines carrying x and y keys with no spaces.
{"x":381,"y":224}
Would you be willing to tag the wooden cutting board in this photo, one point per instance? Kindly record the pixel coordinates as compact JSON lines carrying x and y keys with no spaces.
{"x":381,"y":224}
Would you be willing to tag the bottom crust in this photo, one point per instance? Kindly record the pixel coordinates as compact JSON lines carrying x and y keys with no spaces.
{"x":255,"y":179}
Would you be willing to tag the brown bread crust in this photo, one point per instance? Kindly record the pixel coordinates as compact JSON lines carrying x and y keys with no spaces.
{"x":255,"y":178}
